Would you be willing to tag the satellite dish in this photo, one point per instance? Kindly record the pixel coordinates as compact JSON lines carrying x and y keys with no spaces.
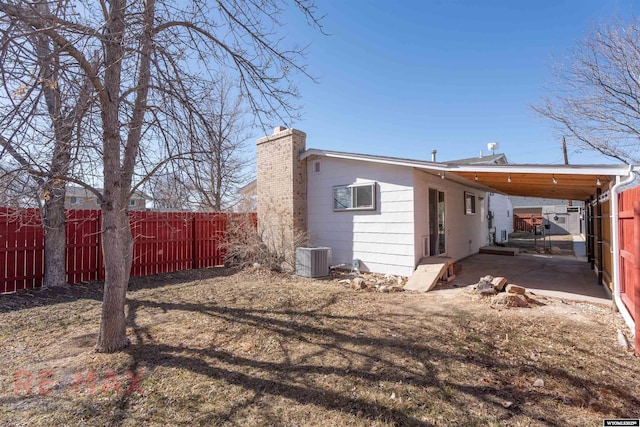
{"x":492,"y":146}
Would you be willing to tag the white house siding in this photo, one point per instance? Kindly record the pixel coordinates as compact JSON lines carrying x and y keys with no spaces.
{"x":383,"y":240}
{"x":465,"y":234}
{"x":502,"y":210}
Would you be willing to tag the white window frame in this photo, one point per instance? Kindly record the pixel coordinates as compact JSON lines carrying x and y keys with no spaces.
{"x":470,"y":203}
{"x":351,"y":188}
{"x":132,"y":202}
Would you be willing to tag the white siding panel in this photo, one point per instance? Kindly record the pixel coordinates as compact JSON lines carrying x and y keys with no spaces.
{"x":383,"y":227}
{"x":502,"y":209}
{"x":393,"y":217}
{"x":394,"y":248}
{"x":381,"y":239}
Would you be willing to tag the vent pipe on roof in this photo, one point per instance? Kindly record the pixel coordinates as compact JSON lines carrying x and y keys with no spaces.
{"x":433,"y":155}
{"x":480,"y":156}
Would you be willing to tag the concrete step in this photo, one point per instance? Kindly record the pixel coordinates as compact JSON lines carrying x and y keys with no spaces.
{"x":499,"y":250}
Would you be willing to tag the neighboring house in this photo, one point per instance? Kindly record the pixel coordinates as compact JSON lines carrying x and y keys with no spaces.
{"x":499,"y":207}
{"x":493,"y":159}
{"x":500,"y":217}
{"x":562,"y":216}
{"x":387,"y":213}
{"x":248,"y":198}
{"x":81,"y":198}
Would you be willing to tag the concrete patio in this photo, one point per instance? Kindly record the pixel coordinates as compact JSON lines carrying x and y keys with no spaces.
{"x":567,"y":277}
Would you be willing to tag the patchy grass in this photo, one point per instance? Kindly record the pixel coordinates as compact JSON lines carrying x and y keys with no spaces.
{"x":531,"y":243}
{"x":218,"y":347}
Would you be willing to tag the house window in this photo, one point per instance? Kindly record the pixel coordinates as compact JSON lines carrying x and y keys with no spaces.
{"x":503,"y":234}
{"x":354,"y":197}
{"x":469,"y":203}
{"x":132,"y":202}
{"x":75,"y":200}
{"x":316,"y":167}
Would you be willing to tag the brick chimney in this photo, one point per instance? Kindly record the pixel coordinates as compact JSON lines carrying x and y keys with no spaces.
{"x":282,"y":190}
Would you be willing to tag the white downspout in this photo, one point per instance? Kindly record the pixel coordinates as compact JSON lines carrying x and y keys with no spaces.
{"x":615,"y":190}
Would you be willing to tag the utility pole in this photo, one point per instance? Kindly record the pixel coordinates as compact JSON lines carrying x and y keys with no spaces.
{"x":564,"y":151}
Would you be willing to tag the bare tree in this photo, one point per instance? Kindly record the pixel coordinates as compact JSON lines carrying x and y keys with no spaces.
{"x":157,"y":60}
{"x":17,"y":188}
{"x":595,"y":99}
{"x":208,"y":180}
{"x":168,"y":190}
{"x":44,"y":104}
{"x":214,"y":176}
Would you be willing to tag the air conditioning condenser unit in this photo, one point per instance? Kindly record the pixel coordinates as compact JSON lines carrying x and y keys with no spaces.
{"x":313,"y":262}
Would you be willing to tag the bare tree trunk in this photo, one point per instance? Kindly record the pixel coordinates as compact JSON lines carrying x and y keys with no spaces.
{"x":118,"y":243}
{"x":115,"y":221}
{"x":53,"y":216}
{"x":55,"y":239}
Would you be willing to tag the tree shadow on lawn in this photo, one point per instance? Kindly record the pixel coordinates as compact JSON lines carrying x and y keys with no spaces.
{"x":416,"y":360}
{"x":36,"y":297}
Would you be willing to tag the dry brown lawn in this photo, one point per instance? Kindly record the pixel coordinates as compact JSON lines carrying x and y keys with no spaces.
{"x":219,"y":347}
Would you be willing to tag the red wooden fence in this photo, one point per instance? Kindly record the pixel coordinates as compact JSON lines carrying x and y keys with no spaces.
{"x":629,"y":235}
{"x":526,"y":222}
{"x":163,"y":242}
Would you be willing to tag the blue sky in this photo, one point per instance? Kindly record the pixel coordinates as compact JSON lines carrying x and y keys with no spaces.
{"x":401,"y":78}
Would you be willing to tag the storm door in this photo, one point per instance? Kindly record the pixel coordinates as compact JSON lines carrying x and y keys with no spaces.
{"x":437,"y":244}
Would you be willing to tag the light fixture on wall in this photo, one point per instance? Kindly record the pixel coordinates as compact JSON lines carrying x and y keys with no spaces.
{"x":553,"y":179}
{"x":598,"y":182}
{"x":509,"y":178}
{"x":442,"y":175}
{"x":475,"y":177}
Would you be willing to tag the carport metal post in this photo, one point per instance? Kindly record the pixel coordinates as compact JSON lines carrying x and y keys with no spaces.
{"x":599,"y":236}
{"x":636,"y":268}
{"x":590,"y":232}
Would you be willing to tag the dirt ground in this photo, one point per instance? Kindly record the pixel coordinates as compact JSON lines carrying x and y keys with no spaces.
{"x":221,"y":347}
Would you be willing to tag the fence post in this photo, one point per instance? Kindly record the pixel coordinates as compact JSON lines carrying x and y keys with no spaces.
{"x":194,"y":246}
{"x":99,"y":246}
{"x":636,"y":275}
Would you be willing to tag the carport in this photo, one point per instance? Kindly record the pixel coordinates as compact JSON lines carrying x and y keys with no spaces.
{"x":588,"y":183}
{"x":598,"y":186}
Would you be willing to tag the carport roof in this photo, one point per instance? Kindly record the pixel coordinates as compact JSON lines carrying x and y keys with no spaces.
{"x":572,"y":182}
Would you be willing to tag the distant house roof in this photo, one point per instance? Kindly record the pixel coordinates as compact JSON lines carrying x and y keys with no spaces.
{"x":75,"y":191}
{"x":494,"y":159}
{"x":248,"y":188}
{"x":534,"y":202}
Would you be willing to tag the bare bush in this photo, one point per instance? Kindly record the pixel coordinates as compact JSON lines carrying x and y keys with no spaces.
{"x":246,"y":245}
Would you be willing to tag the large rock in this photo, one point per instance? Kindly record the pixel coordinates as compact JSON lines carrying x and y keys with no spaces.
{"x":509,"y":300}
{"x":515,"y":289}
{"x":359,"y":283}
{"x":485,"y":288}
{"x":499,"y":283}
